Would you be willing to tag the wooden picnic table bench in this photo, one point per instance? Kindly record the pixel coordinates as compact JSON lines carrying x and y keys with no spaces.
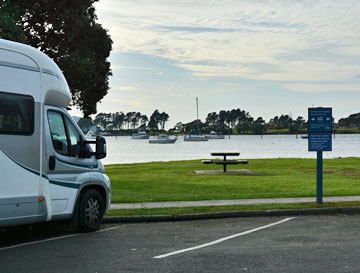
{"x":225,"y":154}
{"x":225,"y":162}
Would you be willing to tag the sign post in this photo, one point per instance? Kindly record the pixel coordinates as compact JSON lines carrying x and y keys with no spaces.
{"x":319,"y":177}
{"x":319,"y":140}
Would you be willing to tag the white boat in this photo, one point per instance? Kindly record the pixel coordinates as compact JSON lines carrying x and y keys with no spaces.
{"x":163,"y":139}
{"x":140,"y":135}
{"x":215,"y":135}
{"x":195,"y":138}
{"x":90,"y":135}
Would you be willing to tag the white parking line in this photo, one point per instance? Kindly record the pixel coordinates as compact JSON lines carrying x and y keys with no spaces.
{"x":52,"y":239}
{"x":38,"y":242}
{"x":107,"y":229}
{"x":222,"y":239}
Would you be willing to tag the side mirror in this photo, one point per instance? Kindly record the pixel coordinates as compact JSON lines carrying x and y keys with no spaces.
{"x":100,"y":148}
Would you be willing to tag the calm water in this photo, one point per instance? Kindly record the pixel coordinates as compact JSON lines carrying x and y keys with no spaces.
{"x":127,"y":150}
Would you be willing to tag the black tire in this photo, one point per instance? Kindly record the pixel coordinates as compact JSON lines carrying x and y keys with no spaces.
{"x":91,"y":211}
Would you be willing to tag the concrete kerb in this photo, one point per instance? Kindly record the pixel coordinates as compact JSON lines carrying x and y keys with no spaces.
{"x":233,"y":202}
{"x":233,"y":214}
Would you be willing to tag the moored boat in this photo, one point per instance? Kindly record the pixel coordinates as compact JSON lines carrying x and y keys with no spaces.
{"x":215,"y":135}
{"x":195,"y":138}
{"x":163,"y":139}
{"x":140,"y":135}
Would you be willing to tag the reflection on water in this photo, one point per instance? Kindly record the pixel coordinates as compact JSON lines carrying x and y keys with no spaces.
{"x":127,"y":150}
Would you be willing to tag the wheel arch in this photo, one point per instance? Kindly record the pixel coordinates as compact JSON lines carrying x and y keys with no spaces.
{"x":100,"y":188}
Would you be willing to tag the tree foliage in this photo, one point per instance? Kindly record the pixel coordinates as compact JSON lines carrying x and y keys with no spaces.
{"x":258,"y":126}
{"x":85,"y":124}
{"x":192,"y":127}
{"x":352,"y":120}
{"x":158,"y":119}
{"x":66,"y":31}
{"x":235,"y":120}
{"x":243,"y":122}
{"x":10,"y":17}
{"x":128,"y":121}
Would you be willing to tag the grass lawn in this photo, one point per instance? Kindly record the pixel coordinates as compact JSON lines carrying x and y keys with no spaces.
{"x":176,"y":180}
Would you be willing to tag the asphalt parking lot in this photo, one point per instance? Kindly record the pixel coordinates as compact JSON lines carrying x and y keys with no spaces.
{"x":257,"y":244}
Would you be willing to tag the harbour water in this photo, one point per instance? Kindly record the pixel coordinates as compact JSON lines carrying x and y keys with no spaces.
{"x":126,"y":150}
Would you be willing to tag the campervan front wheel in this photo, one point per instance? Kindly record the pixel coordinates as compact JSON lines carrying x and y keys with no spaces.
{"x":91,"y":211}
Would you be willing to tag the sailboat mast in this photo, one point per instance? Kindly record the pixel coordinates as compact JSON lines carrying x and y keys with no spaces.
{"x":197,"y":115}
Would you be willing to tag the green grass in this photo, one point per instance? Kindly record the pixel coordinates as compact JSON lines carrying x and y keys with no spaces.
{"x":347,"y":131}
{"x":283,"y":131}
{"x":176,"y":180}
{"x":178,"y":211}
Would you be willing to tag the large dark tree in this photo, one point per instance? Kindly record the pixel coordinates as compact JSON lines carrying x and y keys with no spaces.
{"x":118,"y":120}
{"x":179,"y":127}
{"x":163,"y":118}
{"x":154,"y":121}
{"x":66,"y":31}
{"x":85,"y":124}
{"x":143,"y":120}
{"x":10,"y":16}
{"x":212,"y":120}
{"x":258,"y":126}
{"x":351,"y":121}
{"x":192,"y":127}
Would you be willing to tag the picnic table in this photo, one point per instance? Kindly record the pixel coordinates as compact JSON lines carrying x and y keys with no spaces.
{"x":225,"y":161}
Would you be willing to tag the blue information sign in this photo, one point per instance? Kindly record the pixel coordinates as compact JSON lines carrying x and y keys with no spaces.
{"x":320,"y":120}
{"x":319,"y":129}
{"x":319,"y":142}
{"x":319,"y":136}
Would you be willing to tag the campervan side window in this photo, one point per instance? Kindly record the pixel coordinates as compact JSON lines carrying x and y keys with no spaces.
{"x":16,"y":114}
{"x":58,"y":133}
{"x":65,"y":137}
{"x":74,"y":138}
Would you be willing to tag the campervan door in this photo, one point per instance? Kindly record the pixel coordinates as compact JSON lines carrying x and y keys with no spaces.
{"x":22,"y":189}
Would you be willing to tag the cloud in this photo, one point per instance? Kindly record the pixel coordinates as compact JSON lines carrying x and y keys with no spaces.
{"x":226,"y":70}
{"x":350,"y":51}
{"x":126,"y":88}
{"x":323,"y":88}
{"x":226,"y":38}
{"x":311,"y":71}
{"x":227,"y":83}
{"x":114,"y":104}
{"x":176,"y":94}
{"x":119,"y":67}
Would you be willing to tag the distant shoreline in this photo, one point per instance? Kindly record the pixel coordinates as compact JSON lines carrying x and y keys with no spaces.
{"x":271,"y":132}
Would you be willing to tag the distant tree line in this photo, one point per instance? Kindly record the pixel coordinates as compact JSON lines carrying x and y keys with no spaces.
{"x":240,"y":121}
{"x":234,"y":121}
{"x":352,"y":121}
{"x":120,"y":121}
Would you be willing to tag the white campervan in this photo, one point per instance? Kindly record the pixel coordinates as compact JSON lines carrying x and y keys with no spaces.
{"x":47,"y":168}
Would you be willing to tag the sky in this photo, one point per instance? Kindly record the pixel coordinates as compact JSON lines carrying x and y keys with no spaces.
{"x":265,"y":57}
